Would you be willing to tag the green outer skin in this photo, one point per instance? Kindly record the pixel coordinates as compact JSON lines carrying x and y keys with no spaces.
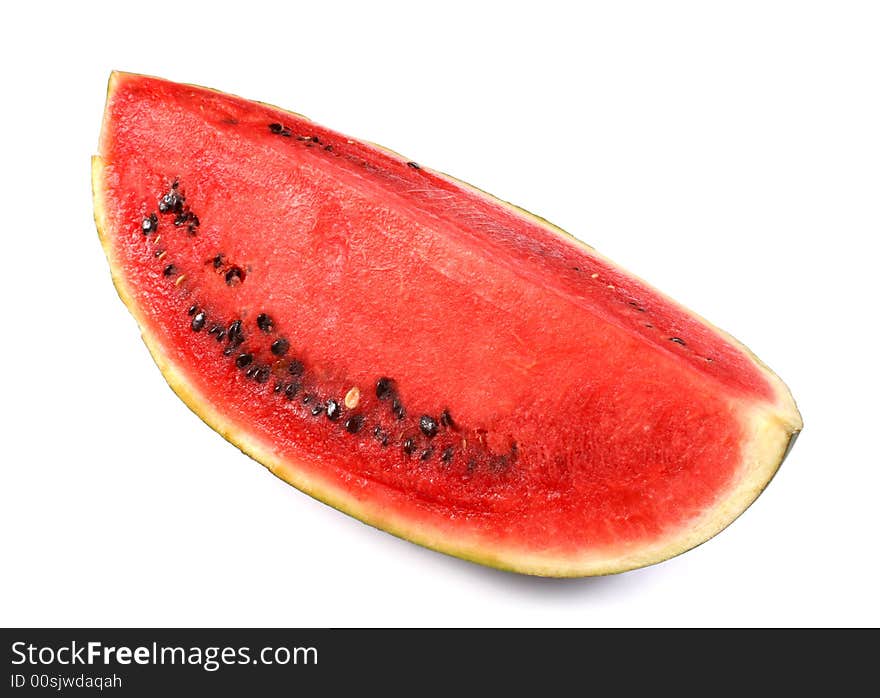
{"x":784,"y":423}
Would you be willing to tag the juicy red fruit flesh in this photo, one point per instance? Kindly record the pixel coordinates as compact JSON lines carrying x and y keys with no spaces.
{"x":583,"y":408}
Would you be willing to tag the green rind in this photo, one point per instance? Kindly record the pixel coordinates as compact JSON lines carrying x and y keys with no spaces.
{"x":770,"y":449}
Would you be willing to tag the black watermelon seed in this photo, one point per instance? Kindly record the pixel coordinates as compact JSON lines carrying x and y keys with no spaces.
{"x":426,"y":454}
{"x":150,"y":224}
{"x":384,"y":388}
{"x":276,"y":128}
{"x":236,"y":336}
{"x":277,"y":387}
{"x":291,"y":390}
{"x":637,"y":306}
{"x":354,"y":423}
{"x":244,"y":360}
{"x":409,"y":446}
{"x":234,"y":276}
{"x":333,"y":410}
{"x":317,"y":409}
{"x":228,"y":351}
{"x":221,"y":334}
{"x":398,"y":409}
{"x":198,"y":321}
{"x":678,"y":340}
{"x":447,"y":454}
{"x":169,"y":270}
{"x":262,"y":374}
{"x":296,"y":368}
{"x":280,"y":347}
{"x":380,"y":435}
{"x":414,"y":165}
{"x":214,"y":329}
{"x":307,"y":399}
{"x":193,"y":309}
{"x":264,"y":322}
{"x":172,"y":202}
{"x":446,"y":419}
{"x":218,"y":261}
{"x":428,"y":425}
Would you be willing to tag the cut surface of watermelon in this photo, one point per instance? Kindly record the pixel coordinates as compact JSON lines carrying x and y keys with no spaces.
{"x":418,"y":354}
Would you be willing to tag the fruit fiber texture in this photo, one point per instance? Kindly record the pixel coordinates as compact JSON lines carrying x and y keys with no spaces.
{"x":417,"y":353}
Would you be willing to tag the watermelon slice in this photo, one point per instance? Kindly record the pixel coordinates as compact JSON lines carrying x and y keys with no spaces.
{"x":417,"y":353}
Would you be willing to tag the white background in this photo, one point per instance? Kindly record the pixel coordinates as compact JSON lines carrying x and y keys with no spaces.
{"x":727,"y":152}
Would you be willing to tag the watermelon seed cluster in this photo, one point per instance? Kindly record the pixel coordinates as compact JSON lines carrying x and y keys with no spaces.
{"x":418,"y":439}
{"x":173,"y":202}
{"x":311,"y":140}
{"x":638,"y":307}
{"x":233,"y":274}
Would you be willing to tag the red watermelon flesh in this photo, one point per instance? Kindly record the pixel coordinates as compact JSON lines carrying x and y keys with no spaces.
{"x":418,"y":354}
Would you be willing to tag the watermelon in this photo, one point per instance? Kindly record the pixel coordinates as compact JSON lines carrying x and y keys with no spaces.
{"x":418,"y":354}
